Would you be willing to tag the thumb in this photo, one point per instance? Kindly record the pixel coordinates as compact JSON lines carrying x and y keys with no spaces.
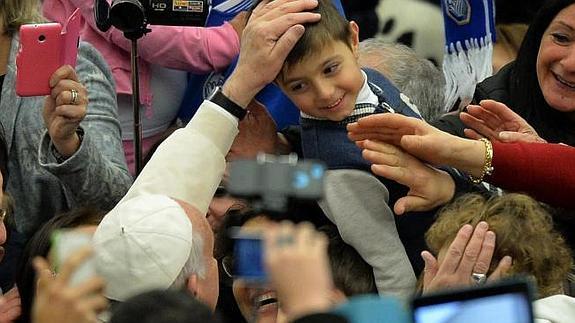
{"x":512,"y":136}
{"x":411,"y":203}
{"x":472,"y":134}
{"x":430,"y":269}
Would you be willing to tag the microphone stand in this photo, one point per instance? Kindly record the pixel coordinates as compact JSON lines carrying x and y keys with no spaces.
{"x":133,"y":36}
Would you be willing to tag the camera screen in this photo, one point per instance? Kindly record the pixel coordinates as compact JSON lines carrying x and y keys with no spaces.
{"x":248,"y":259}
{"x":503,"y":308}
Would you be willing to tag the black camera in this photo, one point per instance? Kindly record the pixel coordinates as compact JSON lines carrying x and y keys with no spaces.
{"x":134,"y":15}
{"x":271,"y":183}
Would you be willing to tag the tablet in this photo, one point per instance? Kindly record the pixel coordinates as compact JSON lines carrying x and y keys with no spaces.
{"x":508,"y":301}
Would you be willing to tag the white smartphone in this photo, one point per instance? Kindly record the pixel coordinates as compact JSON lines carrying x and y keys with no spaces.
{"x":65,"y":243}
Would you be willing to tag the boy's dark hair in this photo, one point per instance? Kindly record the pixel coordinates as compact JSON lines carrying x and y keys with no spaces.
{"x":163,"y":306}
{"x":331,"y":27}
{"x":351,"y":274}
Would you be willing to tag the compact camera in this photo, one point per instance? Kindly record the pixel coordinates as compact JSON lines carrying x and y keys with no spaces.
{"x":271,"y":183}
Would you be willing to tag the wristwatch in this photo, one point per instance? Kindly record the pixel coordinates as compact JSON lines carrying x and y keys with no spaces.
{"x":225,"y":103}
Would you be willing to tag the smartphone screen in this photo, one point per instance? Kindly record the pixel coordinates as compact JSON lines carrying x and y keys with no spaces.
{"x":248,"y":257}
{"x":65,"y":243}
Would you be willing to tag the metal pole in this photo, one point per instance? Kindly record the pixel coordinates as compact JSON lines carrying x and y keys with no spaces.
{"x":136,"y":108}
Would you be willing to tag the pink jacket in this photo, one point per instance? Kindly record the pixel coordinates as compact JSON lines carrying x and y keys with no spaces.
{"x":197,"y":50}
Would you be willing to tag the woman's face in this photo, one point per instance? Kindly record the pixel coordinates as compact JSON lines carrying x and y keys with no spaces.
{"x":556,"y":61}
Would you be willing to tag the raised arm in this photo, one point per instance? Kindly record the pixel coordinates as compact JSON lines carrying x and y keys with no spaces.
{"x":92,"y":169}
{"x":190,"y":163}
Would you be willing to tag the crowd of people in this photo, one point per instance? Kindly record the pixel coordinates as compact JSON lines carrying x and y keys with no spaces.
{"x":415,"y":201}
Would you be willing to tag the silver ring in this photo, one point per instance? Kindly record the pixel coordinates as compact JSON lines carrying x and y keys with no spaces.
{"x":478,"y":279}
{"x":74,"y":96}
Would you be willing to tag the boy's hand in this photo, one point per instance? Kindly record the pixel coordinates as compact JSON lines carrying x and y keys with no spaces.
{"x":273,"y":29}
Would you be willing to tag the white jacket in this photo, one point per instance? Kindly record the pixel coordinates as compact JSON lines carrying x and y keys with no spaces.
{"x":554,"y":309}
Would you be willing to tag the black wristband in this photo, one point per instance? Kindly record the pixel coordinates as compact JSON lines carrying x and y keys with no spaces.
{"x":225,"y":103}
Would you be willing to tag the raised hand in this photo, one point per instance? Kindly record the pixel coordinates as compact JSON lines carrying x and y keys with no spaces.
{"x":58,"y":302}
{"x":64,"y":109}
{"x":496,"y":121}
{"x":272,"y":30}
{"x":298,"y":266}
{"x":470,"y":252}
{"x":428,"y":186}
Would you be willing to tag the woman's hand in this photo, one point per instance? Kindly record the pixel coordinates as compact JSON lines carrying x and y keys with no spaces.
{"x":496,"y":121}
{"x":64,"y":109}
{"x":428,"y":187}
{"x":297,"y":262}
{"x":58,"y":302}
{"x":421,"y":140}
{"x":469,"y":253}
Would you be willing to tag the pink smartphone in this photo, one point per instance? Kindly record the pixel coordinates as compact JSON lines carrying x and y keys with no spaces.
{"x":43,"y":49}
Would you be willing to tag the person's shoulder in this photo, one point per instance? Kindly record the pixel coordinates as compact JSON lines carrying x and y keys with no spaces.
{"x":495,"y":87}
{"x":91,"y":62}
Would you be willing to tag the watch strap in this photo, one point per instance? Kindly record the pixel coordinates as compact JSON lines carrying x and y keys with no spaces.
{"x":225,"y":103}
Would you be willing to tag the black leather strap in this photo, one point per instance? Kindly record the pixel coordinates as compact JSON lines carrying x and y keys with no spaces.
{"x":223,"y":101}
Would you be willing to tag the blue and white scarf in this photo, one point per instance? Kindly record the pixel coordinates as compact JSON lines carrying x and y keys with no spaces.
{"x":469,"y":35}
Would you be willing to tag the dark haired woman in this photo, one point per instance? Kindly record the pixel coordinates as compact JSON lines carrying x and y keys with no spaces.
{"x":540,"y":84}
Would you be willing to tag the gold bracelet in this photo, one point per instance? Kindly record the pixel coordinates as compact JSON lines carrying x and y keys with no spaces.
{"x":487,"y":168}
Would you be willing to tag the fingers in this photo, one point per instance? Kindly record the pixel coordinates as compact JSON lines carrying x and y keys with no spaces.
{"x":43,"y":272}
{"x":73,"y":262}
{"x":512,"y":136}
{"x":270,"y":10}
{"x":411,"y":203}
{"x":472,"y":134}
{"x":484,"y":115}
{"x":500,"y":110}
{"x":381,"y":153}
{"x":502,"y":268}
{"x":91,"y":286}
{"x":390,"y":120}
{"x":65,"y":72}
{"x":455,"y":250}
{"x":478,"y":126}
{"x":430,"y":269}
{"x":473,"y":249}
{"x":62,"y":93}
{"x":485,"y":255}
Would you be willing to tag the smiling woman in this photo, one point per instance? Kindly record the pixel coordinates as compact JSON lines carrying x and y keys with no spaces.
{"x":540,"y":84}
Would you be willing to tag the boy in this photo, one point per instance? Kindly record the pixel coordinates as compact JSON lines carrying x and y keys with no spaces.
{"x":322,"y":77}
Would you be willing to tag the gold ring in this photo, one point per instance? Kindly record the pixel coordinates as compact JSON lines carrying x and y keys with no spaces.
{"x":74,"y":96}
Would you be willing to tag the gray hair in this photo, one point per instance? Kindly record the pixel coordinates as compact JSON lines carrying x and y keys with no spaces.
{"x":414,"y":76}
{"x":195,"y":263}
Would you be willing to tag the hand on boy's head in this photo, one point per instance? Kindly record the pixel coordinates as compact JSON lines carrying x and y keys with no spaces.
{"x":273,"y":29}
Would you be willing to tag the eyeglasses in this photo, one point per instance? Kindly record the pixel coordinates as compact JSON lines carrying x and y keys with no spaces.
{"x":228,"y":265}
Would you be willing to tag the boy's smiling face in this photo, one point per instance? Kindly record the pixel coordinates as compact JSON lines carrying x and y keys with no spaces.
{"x":326,"y":83}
